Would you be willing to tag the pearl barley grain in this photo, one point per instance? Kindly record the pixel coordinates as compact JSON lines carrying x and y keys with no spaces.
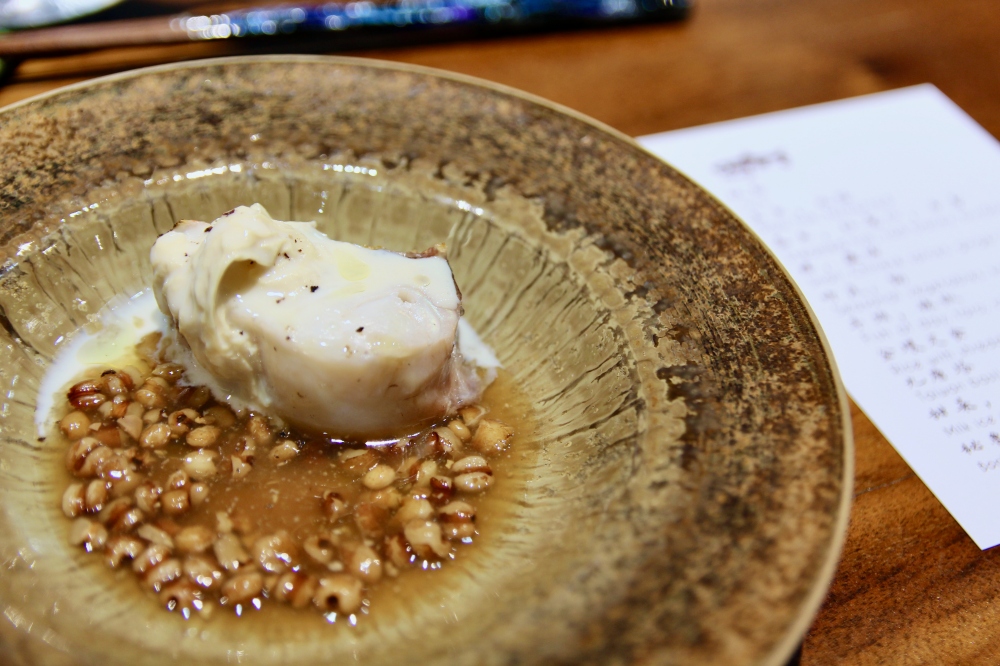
{"x":211,"y":508}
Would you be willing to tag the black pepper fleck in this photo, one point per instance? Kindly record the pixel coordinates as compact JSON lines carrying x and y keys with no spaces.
{"x":314,"y":288}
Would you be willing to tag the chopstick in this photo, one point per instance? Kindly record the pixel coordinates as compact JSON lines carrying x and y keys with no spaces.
{"x":90,"y":36}
{"x":353,"y":23}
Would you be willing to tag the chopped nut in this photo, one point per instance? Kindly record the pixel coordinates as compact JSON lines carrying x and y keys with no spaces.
{"x":107,"y":434}
{"x":472,"y":415}
{"x":131,"y":424}
{"x":491,"y":436}
{"x":283,"y":452}
{"x":240,"y":468}
{"x":203,"y":436}
{"x":259,"y":430}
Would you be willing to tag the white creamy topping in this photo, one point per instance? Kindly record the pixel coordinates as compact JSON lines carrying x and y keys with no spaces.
{"x":328,"y":336}
{"x":108,"y":342}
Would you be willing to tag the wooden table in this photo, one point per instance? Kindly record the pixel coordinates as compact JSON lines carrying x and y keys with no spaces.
{"x":911,"y":586}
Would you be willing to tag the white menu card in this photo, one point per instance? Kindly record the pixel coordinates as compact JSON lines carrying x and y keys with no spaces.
{"x":885,"y":209}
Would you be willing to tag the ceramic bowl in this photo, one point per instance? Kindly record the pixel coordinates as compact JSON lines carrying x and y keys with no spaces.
{"x":683,"y":495}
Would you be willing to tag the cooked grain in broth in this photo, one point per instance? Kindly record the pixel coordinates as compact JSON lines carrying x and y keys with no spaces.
{"x":217,"y":510}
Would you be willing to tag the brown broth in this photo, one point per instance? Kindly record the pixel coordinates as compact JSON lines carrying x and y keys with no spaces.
{"x":286,"y":498}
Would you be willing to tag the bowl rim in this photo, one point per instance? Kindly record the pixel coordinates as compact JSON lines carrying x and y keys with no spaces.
{"x":795,"y":632}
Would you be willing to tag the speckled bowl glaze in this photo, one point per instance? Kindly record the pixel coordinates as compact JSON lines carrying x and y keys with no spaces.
{"x":684,"y":494}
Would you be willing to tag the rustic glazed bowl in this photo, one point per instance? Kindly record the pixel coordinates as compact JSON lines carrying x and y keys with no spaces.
{"x":684,"y":493}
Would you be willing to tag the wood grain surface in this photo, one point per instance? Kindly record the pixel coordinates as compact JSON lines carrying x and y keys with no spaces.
{"x":911,"y":588}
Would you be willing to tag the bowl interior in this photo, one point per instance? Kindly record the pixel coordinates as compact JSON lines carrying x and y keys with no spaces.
{"x":680,"y":487}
